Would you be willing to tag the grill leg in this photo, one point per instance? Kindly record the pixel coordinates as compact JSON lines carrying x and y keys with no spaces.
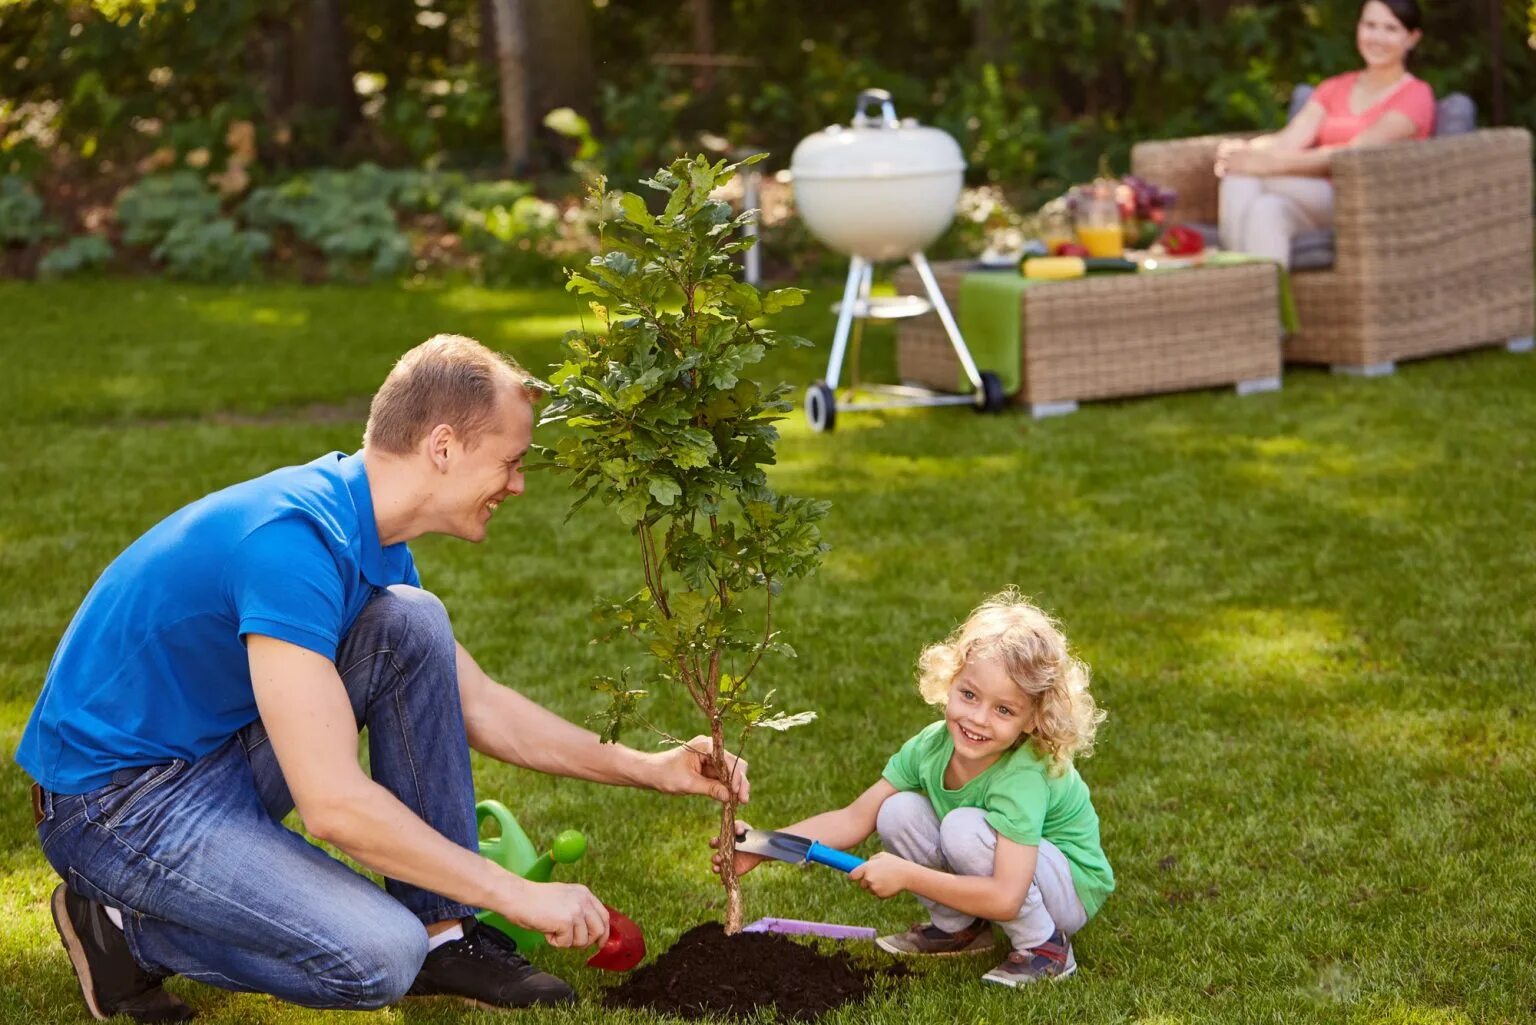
{"x":935,"y":296}
{"x":851,"y":288}
{"x":866,"y":285}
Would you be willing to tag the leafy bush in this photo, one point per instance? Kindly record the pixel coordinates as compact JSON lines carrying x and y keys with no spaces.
{"x":984,"y":221}
{"x":454,"y":115}
{"x":347,"y":215}
{"x":151,"y":208}
{"x":513,"y":240}
{"x":470,"y":197}
{"x":513,"y":234}
{"x":180,"y":218}
{"x":21,"y":213}
{"x":430,"y":192}
{"x":215,"y":250}
{"x":80,"y":253}
{"x":640,"y":124}
{"x":353,"y":218}
{"x":87,"y":78}
{"x":1007,"y":140}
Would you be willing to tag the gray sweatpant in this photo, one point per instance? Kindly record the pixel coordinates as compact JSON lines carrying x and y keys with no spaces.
{"x":964,"y":844}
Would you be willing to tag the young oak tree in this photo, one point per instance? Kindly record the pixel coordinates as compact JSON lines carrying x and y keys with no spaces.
{"x":666,"y":428}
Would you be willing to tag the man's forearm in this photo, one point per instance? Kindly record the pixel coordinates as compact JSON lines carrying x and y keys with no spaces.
{"x":373,"y":827}
{"x":509,"y":727}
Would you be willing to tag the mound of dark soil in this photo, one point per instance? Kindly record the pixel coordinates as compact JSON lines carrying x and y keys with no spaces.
{"x":708,"y":972}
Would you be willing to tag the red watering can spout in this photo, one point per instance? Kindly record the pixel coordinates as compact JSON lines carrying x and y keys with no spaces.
{"x":624,"y":948}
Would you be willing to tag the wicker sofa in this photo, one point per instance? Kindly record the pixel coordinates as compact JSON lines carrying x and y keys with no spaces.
{"x":1432,"y":246}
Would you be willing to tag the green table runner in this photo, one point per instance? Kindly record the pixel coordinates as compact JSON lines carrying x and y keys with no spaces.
{"x":990,"y":322}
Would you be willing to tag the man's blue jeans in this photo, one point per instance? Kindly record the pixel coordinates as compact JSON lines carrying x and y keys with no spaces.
{"x":212,"y":886}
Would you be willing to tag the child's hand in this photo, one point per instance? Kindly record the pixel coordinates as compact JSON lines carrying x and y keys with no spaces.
{"x":884,"y":875}
{"x":743,"y":861}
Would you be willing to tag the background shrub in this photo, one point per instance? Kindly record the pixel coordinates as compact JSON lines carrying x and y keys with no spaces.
{"x":214,"y":250}
{"x":80,"y":253}
{"x":21,"y":213}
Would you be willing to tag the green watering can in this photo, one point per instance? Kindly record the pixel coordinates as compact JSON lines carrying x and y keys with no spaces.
{"x":513,"y":851}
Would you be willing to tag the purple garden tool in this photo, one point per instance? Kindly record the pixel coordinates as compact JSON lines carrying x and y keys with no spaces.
{"x":797,"y":927}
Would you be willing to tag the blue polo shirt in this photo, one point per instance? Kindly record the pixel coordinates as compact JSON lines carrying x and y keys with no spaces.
{"x":153,"y":667}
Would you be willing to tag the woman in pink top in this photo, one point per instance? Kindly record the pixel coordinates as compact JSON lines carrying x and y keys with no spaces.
{"x":1275,"y":186}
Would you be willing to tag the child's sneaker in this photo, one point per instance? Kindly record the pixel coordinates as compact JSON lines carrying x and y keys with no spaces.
{"x":929,"y":939}
{"x":1051,"y":960}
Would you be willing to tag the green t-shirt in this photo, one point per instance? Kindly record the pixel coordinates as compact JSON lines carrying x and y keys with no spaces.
{"x":1023,"y":802}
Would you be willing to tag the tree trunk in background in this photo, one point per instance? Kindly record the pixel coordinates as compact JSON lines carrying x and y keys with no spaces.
{"x":322,"y":68}
{"x":513,"y":74}
{"x":986,"y":33}
{"x":560,"y":57}
{"x":269,"y":56}
{"x":304,"y":68}
{"x":1496,"y":111}
{"x":486,"y":9}
{"x":702,"y":14}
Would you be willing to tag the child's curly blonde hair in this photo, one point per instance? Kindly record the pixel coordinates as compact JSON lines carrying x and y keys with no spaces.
{"x":1034,"y":653}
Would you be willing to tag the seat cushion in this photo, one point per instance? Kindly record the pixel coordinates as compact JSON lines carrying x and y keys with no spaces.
{"x":1455,"y":115}
{"x":1310,"y":250}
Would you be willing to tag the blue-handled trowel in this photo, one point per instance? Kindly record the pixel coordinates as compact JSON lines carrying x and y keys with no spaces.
{"x":797,"y":849}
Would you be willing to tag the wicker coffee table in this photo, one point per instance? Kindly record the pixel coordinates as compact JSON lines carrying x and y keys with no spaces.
{"x":1117,"y":335}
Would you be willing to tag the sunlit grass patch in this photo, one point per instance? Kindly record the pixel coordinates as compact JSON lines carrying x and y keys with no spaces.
{"x":1311,"y":616}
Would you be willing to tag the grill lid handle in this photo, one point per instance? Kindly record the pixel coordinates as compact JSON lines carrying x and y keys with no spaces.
{"x":887,"y":110}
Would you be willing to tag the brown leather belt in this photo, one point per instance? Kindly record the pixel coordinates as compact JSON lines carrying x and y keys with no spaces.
{"x":37,"y":804}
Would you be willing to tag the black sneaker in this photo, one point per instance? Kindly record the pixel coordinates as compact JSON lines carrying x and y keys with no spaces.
{"x":485,"y":968}
{"x":110,"y":979}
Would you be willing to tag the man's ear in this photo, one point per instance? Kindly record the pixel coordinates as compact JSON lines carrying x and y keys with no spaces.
{"x":439,"y":445}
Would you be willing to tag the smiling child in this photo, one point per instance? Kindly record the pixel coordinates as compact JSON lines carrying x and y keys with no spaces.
{"x":983,"y":815}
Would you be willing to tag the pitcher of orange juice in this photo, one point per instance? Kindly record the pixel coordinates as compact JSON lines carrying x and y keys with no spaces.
{"x":1098,"y":220}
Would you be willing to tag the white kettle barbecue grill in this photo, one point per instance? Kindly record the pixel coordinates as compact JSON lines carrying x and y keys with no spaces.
{"x":883,"y":189}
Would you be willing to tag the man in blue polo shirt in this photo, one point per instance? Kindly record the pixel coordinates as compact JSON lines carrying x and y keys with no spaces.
{"x":217,"y":676}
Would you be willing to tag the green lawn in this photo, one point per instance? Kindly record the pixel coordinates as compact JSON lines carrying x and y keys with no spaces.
{"x":1309,"y":614}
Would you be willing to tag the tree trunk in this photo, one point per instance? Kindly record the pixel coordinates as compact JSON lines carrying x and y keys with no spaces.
{"x":733,"y":902}
{"x":560,"y":57}
{"x":268,"y":55}
{"x":303,"y":65}
{"x":702,"y":15}
{"x":512,"y":73}
{"x":987,"y":37}
{"x":322,"y":68}
{"x":1496,"y":60}
{"x":486,"y":9}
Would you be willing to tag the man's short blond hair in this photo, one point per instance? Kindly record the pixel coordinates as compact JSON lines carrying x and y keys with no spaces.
{"x":447,"y":379}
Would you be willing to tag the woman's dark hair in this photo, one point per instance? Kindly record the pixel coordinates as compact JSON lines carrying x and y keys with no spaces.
{"x":1405,"y":11}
